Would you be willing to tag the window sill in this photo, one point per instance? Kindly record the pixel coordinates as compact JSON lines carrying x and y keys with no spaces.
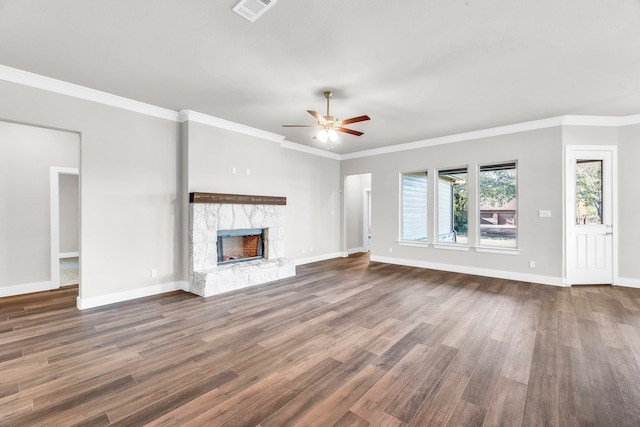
{"x":502,"y":251}
{"x":451,"y":247}
{"x":413,"y":243}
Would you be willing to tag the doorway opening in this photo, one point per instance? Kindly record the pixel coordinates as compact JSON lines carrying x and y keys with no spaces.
{"x":357,"y":213}
{"x":65,"y":226}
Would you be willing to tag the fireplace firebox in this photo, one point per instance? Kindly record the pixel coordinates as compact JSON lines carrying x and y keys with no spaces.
{"x":240,"y":245}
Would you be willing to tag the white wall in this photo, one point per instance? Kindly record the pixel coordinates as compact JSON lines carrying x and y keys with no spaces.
{"x":69,"y":197}
{"x":539,"y":156}
{"x":26,"y":155}
{"x":131,"y":208}
{"x":310,"y":183}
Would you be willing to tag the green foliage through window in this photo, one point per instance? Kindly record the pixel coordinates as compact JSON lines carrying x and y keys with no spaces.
{"x":498,"y":205}
{"x":589,"y":192}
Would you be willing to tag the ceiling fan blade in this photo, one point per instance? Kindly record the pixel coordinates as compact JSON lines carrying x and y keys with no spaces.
{"x":354,"y":120}
{"x":316,"y":115}
{"x":351,"y":131}
{"x":299,"y":126}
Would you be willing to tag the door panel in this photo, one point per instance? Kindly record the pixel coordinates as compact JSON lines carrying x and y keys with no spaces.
{"x":590,"y":224}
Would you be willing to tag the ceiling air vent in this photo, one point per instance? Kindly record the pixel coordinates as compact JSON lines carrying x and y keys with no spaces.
{"x":253,"y":9}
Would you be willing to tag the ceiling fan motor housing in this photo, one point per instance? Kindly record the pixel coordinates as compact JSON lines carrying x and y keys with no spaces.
{"x":329,"y":120}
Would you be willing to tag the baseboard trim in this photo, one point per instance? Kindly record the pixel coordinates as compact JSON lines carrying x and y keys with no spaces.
{"x":28,"y":288}
{"x":499,"y":274}
{"x":355,"y":250}
{"x":69,"y":255}
{"x":629,"y":283}
{"x":85,"y":303}
{"x":318,"y":258}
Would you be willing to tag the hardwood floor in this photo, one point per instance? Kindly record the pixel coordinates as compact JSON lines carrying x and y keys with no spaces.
{"x":344,"y":343}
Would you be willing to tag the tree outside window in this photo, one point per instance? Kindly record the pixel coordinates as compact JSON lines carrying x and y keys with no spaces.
{"x":498,"y":205}
{"x":589,"y":192}
{"x":452,"y":206}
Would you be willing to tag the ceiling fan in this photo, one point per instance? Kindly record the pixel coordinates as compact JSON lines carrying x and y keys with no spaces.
{"x":330,"y":124}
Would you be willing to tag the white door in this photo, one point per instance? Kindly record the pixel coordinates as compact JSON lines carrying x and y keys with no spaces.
{"x":589,"y":210}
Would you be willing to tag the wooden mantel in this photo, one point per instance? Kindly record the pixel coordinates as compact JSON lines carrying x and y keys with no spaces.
{"x":238,"y":199}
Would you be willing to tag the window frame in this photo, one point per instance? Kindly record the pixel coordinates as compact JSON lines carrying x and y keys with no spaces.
{"x":515,"y":250}
{"x":412,"y":242}
{"x":442,"y":244}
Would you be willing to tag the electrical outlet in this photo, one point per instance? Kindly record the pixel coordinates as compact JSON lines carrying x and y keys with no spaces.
{"x":390,"y":250}
{"x":532,"y":264}
{"x":233,"y":170}
{"x":544,"y":214}
{"x":154,"y":273}
{"x":303,"y":250}
{"x":248,"y":171}
{"x":311,"y":249}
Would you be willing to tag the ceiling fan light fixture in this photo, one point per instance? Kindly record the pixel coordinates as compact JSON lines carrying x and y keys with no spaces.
{"x":333,"y":136}
{"x":323,"y":135}
{"x":330,"y":125}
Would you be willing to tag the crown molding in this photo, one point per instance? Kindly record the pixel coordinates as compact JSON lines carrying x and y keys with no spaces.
{"x":602,"y":121}
{"x":630,"y":120}
{"x":466,"y":136}
{"x":205,"y":119}
{"x":502,"y":130}
{"x":38,"y":81}
{"x":310,"y":150}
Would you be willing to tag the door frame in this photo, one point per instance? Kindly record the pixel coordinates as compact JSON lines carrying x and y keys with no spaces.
{"x":366,"y":200}
{"x":568,"y":206}
{"x":54,"y":214}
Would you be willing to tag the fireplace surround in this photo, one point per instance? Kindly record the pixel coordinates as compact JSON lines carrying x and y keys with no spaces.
{"x":228,"y":214}
{"x":246,"y":244}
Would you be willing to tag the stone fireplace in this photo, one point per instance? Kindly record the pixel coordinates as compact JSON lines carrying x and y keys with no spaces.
{"x":236,"y":241}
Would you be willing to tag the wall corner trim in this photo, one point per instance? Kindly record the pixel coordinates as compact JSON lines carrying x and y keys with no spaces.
{"x":38,"y":81}
{"x":194,"y":116}
{"x":86,"y":303}
{"x":499,"y":274}
{"x":318,"y":258}
{"x":627,"y":282}
{"x":27,"y":288}
{"x":310,"y":150}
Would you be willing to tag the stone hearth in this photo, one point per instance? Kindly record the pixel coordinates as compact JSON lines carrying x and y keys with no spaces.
{"x":206,"y":277}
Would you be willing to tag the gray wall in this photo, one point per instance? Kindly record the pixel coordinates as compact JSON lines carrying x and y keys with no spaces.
{"x":629,"y":203}
{"x":539,"y":156}
{"x":137,"y":169}
{"x":26,"y":156}
{"x":627,"y":139}
{"x":310,"y":183}
{"x":69,"y":202}
{"x":129,"y":189}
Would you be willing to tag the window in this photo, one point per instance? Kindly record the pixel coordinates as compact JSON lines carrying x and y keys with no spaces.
{"x":498,"y":205}
{"x":589,"y":192}
{"x":452,"y":206}
{"x":414,"y":206}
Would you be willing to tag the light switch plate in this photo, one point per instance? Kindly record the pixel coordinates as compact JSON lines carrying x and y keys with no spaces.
{"x":544,"y":214}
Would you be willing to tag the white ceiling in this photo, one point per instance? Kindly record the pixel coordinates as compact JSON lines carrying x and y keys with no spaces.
{"x":419,"y":68}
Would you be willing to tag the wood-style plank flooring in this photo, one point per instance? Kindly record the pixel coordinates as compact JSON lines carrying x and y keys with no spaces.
{"x":344,"y":343}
